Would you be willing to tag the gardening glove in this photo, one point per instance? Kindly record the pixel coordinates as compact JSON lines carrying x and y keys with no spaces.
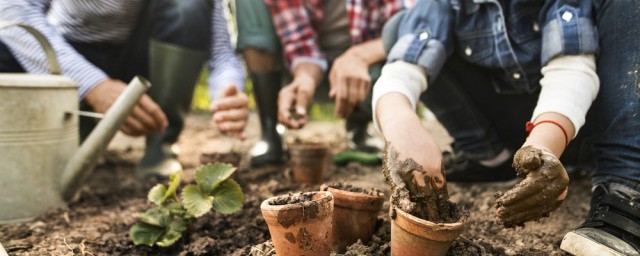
{"x":542,"y":190}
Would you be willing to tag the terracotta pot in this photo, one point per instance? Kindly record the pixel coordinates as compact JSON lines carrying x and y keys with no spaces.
{"x":231,"y":158}
{"x":411,"y":235}
{"x":301,"y":228}
{"x":354,"y":216}
{"x":309,"y":161}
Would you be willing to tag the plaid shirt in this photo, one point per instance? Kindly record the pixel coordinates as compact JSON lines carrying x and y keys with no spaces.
{"x":296,"y":22}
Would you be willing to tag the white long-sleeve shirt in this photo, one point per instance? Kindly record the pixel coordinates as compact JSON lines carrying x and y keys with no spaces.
{"x":100,"y":21}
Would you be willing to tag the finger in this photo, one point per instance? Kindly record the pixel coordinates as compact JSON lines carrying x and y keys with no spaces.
{"x":135,"y":127}
{"x":341,"y":96}
{"x":530,"y":215}
{"x":303,"y":99}
{"x":527,"y":159}
{"x":285,"y":101}
{"x":364,"y":89}
{"x":231,"y":115}
{"x":146,"y":120}
{"x":151,"y":108}
{"x":230,"y":102}
{"x":520,"y":191}
{"x":235,"y":126}
{"x":230,"y":90}
{"x":546,"y":197}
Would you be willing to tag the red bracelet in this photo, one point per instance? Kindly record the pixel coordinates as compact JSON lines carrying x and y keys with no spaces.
{"x":530,"y":126}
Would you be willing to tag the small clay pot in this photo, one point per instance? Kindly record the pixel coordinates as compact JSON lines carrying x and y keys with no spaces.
{"x":411,"y":235}
{"x":354,"y":215}
{"x":300,"y":227}
{"x":309,"y":161}
{"x":231,"y":158}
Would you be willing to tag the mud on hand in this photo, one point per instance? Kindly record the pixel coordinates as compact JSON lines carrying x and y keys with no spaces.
{"x":413,"y":191}
{"x":542,"y":190}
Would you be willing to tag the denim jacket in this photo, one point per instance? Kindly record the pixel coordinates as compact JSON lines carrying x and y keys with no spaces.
{"x":511,"y":38}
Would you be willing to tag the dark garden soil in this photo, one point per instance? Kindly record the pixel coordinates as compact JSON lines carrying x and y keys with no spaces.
{"x":98,"y":222}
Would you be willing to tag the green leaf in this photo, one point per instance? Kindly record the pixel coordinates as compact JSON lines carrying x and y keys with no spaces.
{"x":174,"y":232}
{"x":169,"y":239}
{"x":142,"y":233}
{"x":227,"y":197}
{"x":174,"y":183}
{"x":155,"y":216}
{"x":195,"y":201}
{"x":156,"y":194}
{"x":209,"y":176}
{"x":175,"y":208}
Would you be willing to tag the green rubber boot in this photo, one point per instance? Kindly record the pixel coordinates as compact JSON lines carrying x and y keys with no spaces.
{"x":268,"y":151}
{"x":173,"y":72}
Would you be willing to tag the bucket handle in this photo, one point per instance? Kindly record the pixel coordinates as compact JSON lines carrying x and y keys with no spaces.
{"x":52,"y":59}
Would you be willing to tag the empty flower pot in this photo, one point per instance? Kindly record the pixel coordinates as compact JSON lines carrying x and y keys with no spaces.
{"x":355,"y":214}
{"x":300,"y":224}
{"x":309,"y":161}
{"x":411,"y":235}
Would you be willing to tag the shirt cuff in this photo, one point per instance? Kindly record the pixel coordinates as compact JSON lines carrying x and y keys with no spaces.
{"x":87,"y":77}
{"x":320,"y":62}
{"x":399,"y":77}
{"x":570,"y":32}
{"x":419,"y":49}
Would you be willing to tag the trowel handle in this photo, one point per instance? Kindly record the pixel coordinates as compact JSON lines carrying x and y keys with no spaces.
{"x":52,"y":59}
{"x":81,"y":165}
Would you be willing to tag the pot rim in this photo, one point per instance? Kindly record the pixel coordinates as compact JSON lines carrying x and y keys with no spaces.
{"x":425,"y":228}
{"x":36,"y":81}
{"x":325,"y":198}
{"x":354,"y":200}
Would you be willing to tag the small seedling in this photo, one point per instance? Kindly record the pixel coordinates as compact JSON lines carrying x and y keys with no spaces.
{"x":165,"y":223}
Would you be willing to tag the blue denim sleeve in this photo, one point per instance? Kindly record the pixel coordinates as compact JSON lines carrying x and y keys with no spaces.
{"x":568,"y":29}
{"x":421,"y":35}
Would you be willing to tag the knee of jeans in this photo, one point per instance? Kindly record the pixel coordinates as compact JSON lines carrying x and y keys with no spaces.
{"x":183,"y":20}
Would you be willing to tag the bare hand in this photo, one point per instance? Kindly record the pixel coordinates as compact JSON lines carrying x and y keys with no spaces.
{"x":230,"y":111}
{"x":293,"y":101}
{"x":350,"y":83}
{"x":542,"y":191}
{"x":146,"y":117}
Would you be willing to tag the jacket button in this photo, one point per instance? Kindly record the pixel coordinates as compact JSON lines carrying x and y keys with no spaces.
{"x":468,"y":51}
{"x":516,"y":76}
{"x":536,"y":27}
{"x":567,"y":16}
{"x":423,"y":36}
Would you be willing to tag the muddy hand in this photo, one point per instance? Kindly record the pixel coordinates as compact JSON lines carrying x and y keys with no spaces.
{"x":414,"y":190}
{"x":542,"y":190}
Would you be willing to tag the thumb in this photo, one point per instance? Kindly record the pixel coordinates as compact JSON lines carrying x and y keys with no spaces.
{"x":230,"y":90}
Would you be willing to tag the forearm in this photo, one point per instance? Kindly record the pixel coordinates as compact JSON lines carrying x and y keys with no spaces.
{"x":370,"y":52}
{"x":394,"y":110}
{"x":569,"y":86}
{"x":308,"y":73}
{"x":548,"y":135}
{"x":30,"y":54}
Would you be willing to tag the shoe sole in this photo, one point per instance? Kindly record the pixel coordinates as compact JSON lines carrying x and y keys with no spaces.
{"x":579,"y":245}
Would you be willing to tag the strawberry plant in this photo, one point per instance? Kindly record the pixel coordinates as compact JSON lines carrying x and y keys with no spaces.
{"x":166,"y":222}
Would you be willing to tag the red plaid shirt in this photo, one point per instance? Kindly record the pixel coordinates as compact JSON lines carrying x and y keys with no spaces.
{"x":296,"y":22}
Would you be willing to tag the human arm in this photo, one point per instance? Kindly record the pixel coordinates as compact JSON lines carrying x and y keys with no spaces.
{"x":569,"y":86}
{"x":295,"y":98}
{"x":230,"y":106}
{"x":349,"y":76}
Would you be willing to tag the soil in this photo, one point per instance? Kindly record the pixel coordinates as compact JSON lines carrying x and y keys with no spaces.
{"x":296,"y":198}
{"x":417,"y":193}
{"x":355,"y":189}
{"x":98,"y":223}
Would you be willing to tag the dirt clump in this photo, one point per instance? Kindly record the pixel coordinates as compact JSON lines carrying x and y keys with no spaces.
{"x":416,"y":193}
{"x":291,"y":198}
{"x":351,"y":188}
{"x":231,"y":158}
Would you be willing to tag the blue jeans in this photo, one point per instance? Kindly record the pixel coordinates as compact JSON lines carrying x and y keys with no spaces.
{"x":184,"y":23}
{"x":484,"y":122}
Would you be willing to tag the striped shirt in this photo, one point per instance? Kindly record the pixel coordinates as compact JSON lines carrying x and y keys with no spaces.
{"x":100,"y":21}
